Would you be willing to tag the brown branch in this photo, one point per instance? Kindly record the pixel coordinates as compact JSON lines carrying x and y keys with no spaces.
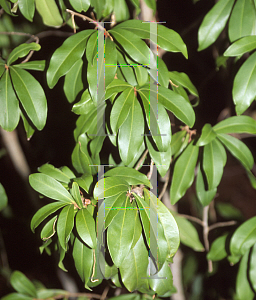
{"x":167,"y":176}
{"x":222,"y":224}
{"x":205,"y":235}
{"x":88,"y":295}
{"x":141,"y":160}
{"x":198,"y":221}
{"x":105,"y":292}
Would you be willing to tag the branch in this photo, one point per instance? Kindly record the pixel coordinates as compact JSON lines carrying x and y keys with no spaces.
{"x":198,"y":221}
{"x":88,"y":295}
{"x":222,"y":224}
{"x":205,"y":234}
{"x":141,"y":160}
{"x":165,"y":184}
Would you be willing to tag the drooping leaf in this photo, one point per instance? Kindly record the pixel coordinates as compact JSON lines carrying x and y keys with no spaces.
{"x":218,"y":249}
{"x":241,"y":46}
{"x":49,"y":229}
{"x":22,"y":284}
{"x":9,"y":104}
{"x":207,"y":135}
{"x":183,"y":174}
{"x":66,"y":56}
{"x":80,"y":5}
{"x":243,"y":88}
{"x":49,"y":12}
{"x":182,"y":79}
{"x":65,"y":225}
{"x":31,"y":95}
{"x":55,"y":173}
{"x":213,"y":23}
{"x":27,"y":8}
{"x":50,"y":187}
{"x":85,"y":105}
{"x":21,"y":51}
{"x":236,"y":124}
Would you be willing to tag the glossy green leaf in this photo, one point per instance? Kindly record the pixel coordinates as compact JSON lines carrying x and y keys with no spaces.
{"x":21,"y":51}
{"x":213,"y":23}
{"x":80,"y":5}
{"x":157,"y":118}
{"x":126,"y":69}
{"x":112,"y":206}
{"x":121,"y":10}
{"x":84,"y":182}
{"x":37,"y":65}
{"x":49,"y":12}
{"x":50,"y":187}
{"x":175,"y":103}
{"x":120,"y":233}
{"x":207,"y":135}
{"x":85,"y":226}
{"x":243,"y":238}
{"x":6,"y":6}
{"x":49,"y":229}
{"x":188,"y":234}
{"x":243,"y":288}
{"x":141,"y":74}
{"x":214,"y":160}
{"x":132,"y":176}
{"x":236,"y":124}
{"x":161,"y":159}
{"x":27,"y":8}
{"x":3,"y":197}
{"x":182,"y":79}
{"x":83,"y":258}
{"x":110,"y":186}
{"x":242,"y":20}
{"x":22,"y":284}
{"x":218,"y":249}
{"x":241,"y":46}
{"x":184,"y":172}
{"x":238,"y":149}
{"x":65,"y":225}
{"x":44,"y":212}
{"x":98,"y":7}
{"x":252,"y":270}
{"x":116,"y":86}
{"x":132,"y":44}
{"x":243,"y":88}
{"x":28,"y":128}
{"x":66,"y":56}
{"x":85,"y":105}
{"x":167,"y":39}
{"x":31,"y":95}
{"x":121,"y":108}
{"x":91,"y":49}
{"x":55,"y":173}
{"x":73,"y":83}
{"x":131,"y":132}
{"x":134,"y":267}
{"x":177,"y":141}
{"x":164,"y":283}
{"x":9,"y":104}
{"x":75,"y":192}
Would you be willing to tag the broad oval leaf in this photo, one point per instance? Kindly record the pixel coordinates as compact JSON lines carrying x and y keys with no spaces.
{"x":55,"y":173}
{"x":218,"y":249}
{"x":49,"y":12}
{"x":85,"y":226}
{"x":31,"y":95}
{"x":9,"y":104}
{"x":37,"y":65}
{"x":50,"y":188}
{"x":65,"y":225}
{"x":184,"y":172}
{"x":243,"y":89}
{"x":236,"y":124}
{"x":21,"y":51}
{"x":27,"y":8}
{"x":241,"y":46}
{"x":238,"y":149}
{"x":110,"y":186}
{"x":116,"y":86}
{"x":22,"y":284}
{"x":207,"y":135}
{"x":80,"y":5}
{"x":213,"y":23}
{"x":66,"y":55}
{"x":49,"y":229}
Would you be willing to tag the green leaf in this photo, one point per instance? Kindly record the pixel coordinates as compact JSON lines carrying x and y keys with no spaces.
{"x":22,"y":284}
{"x":243,"y":288}
{"x":91,"y":49}
{"x":243,"y":238}
{"x":228,"y":211}
{"x":207,"y":135}
{"x":188,"y":234}
{"x":48,"y":293}
{"x":184,"y":172}
{"x":158,"y":122}
{"x":27,"y":8}
{"x":132,"y":44}
{"x":65,"y":225}
{"x":49,"y":229}
{"x":83,"y":257}
{"x":243,"y":88}
{"x":242,"y":20}
{"x":126,"y":69}
{"x":134,"y":267}
{"x":9,"y":104}
{"x":80,"y":5}
{"x":75,"y":192}
{"x":175,"y":103}
{"x":120,"y":232}
{"x":177,"y":142}
{"x":252,"y":270}
{"x":238,"y":149}
{"x":132,"y":176}
{"x":213,"y":23}
{"x":31,"y":95}
{"x":121,"y":108}
{"x":44,"y":212}
{"x":55,"y":173}
{"x":16,"y":296}
{"x":112,"y":206}
{"x":218,"y":249}
{"x":50,"y":188}
{"x":116,"y":86}
{"x":66,"y":56}
{"x":98,"y":7}
{"x":49,"y":12}
{"x":73,"y":83}
{"x":37,"y":65}
{"x":214,"y":160}
{"x":236,"y":124}
{"x":110,"y":186}
{"x":3,"y":197}
{"x":85,"y":226}
{"x":6,"y":6}
{"x":28,"y":128}
{"x":121,"y":10}
{"x":241,"y":46}
{"x":21,"y":51}
{"x":131,"y":132}
{"x":85,"y":105}
{"x":142,"y":74}
{"x":182,"y":79}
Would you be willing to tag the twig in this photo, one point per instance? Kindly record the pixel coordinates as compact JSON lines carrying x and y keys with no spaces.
{"x":198,"y":221}
{"x":93,"y":269}
{"x":149,"y":175}
{"x":88,"y":295}
{"x":205,"y":234}
{"x":141,"y":160}
{"x":167,"y":176}
{"x":222,"y":224}
{"x":105,"y":292}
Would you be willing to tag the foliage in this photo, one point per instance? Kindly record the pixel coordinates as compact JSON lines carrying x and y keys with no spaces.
{"x":109,"y":74}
